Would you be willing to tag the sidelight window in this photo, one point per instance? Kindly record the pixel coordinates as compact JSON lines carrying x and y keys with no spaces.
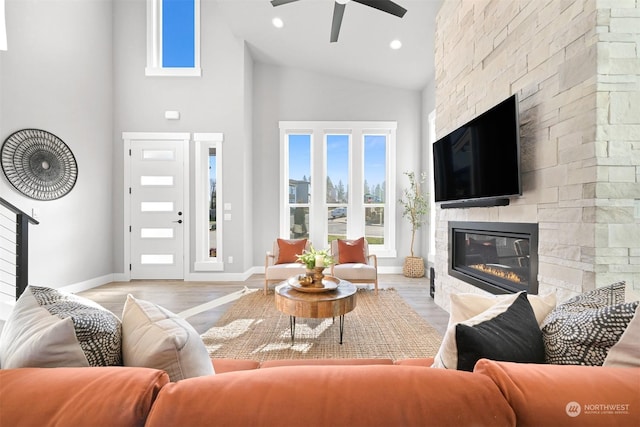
{"x":209,"y":210}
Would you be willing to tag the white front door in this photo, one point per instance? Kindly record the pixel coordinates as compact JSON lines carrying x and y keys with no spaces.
{"x":157,"y":209}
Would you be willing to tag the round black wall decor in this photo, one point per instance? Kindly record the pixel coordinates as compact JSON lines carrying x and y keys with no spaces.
{"x":39,"y":164}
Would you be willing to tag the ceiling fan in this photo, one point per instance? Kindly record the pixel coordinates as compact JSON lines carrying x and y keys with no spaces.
{"x":338,"y":11}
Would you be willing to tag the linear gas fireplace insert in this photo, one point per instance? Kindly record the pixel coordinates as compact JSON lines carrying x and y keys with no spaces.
{"x":498,"y":257}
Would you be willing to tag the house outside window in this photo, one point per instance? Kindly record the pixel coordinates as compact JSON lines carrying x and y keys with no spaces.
{"x":299,"y":154}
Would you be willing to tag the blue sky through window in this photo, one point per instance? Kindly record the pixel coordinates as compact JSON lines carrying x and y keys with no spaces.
{"x":178,"y":27}
{"x":375,"y":163}
{"x":300,"y":157}
{"x":212,"y":165}
{"x":338,"y":159}
{"x":375,"y":154}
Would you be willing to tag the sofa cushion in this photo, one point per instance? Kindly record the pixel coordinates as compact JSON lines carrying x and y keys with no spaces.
{"x":222,"y":365}
{"x":284,"y":271}
{"x":154,"y":337}
{"x":351,"y":251}
{"x":49,"y":328}
{"x":371,"y":395}
{"x":105,"y":396}
{"x":420,"y":361}
{"x":355,"y":272}
{"x":465,"y":306}
{"x":581,"y":330}
{"x":511,"y":335}
{"x":307,"y":362}
{"x":553,"y":395}
{"x":626,"y":352}
{"x":288,"y":250}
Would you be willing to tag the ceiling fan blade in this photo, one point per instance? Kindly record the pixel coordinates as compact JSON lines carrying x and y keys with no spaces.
{"x":385,"y":6}
{"x":338,"y":12}
{"x":281,"y":2}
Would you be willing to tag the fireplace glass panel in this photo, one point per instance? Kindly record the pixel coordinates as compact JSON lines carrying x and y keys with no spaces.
{"x":500,"y":259}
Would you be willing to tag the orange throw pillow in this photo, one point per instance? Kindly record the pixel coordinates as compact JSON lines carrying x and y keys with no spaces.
{"x":351,"y":251}
{"x":288,"y":250}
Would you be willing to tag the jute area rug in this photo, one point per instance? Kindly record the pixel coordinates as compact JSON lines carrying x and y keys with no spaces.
{"x":381,"y":326}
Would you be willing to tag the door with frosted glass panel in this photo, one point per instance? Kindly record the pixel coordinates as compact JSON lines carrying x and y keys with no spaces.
{"x":157,"y":209}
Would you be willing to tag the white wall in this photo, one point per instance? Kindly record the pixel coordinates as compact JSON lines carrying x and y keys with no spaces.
{"x":292,"y":94}
{"x":215,"y":102}
{"x":57,"y":76}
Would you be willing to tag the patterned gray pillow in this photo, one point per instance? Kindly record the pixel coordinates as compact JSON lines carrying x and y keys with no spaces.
{"x":598,"y":298}
{"x":582,"y":330}
{"x":51,"y":328}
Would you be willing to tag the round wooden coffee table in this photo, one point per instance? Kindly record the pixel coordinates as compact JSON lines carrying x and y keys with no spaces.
{"x":314,"y":304}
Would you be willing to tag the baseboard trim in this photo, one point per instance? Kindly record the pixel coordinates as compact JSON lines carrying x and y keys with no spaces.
{"x":218,"y":277}
{"x":88,"y":284}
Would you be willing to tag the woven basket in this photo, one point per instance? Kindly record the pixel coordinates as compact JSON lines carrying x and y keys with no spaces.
{"x":413,"y":266}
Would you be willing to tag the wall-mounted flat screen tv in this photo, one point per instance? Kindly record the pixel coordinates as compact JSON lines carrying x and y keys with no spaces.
{"x":480,"y":159}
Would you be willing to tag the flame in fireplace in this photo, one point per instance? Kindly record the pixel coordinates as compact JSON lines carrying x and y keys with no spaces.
{"x":498,"y":272}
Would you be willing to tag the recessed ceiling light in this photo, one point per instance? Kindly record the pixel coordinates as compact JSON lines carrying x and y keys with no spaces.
{"x":395,"y":44}
{"x":277,"y":22}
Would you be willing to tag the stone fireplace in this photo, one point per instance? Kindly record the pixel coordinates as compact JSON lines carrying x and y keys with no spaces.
{"x":576,"y":69}
{"x":494,"y":256}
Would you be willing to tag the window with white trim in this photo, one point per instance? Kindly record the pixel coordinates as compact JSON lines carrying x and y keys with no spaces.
{"x":173,"y":38}
{"x":337,"y":180}
{"x":208,"y":203}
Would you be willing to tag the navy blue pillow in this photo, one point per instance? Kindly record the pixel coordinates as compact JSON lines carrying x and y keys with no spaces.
{"x":512,"y":336}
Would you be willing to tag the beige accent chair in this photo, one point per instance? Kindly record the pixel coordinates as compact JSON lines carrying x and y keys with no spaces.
{"x":355,"y":272}
{"x":274,"y":272}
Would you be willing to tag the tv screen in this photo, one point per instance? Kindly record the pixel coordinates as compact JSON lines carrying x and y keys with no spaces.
{"x":480,"y":159}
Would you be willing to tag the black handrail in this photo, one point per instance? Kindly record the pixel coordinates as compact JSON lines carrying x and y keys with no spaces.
{"x":22,"y":245}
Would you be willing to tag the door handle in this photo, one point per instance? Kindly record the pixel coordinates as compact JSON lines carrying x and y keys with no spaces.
{"x":178,"y":221}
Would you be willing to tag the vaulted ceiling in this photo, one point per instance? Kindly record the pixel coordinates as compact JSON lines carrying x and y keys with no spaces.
{"x":362,"y":51}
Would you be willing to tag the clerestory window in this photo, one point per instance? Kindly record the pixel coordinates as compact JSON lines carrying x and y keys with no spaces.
{"x":173,"y":38}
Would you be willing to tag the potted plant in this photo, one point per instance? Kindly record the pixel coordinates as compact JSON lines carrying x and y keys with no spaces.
{"x":415,"y":206}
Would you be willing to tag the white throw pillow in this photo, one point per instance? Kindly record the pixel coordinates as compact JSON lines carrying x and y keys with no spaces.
{"x":626,"y":352}
{"x":154,"y":337}
{"x":466,"y":306}
{"x":49,"y":328}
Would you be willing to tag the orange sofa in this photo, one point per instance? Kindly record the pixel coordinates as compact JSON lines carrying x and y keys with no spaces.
{"x":341,"y":392}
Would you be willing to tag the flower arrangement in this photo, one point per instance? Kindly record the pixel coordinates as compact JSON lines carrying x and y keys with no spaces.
{"x":315,"y":258}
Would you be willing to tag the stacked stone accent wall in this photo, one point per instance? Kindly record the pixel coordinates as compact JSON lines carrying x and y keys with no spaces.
{"x":617,"y":147}
{"x":575,"y":66}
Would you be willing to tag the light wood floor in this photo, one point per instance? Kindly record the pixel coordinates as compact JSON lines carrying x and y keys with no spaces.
{"x":178,"y":296}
